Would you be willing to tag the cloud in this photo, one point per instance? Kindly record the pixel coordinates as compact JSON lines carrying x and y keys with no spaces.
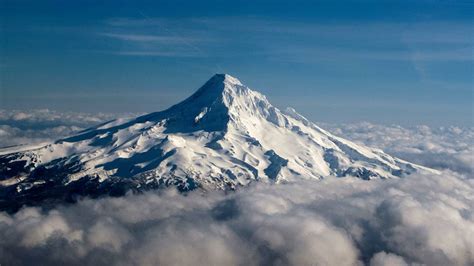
{"x":303,"y":54}
{"x":382,"y":259}
{"x":233,"y":36}
{"x":10,"y":136}
{"x":133,"y":22}
{"x":47,"y":117}
{"x":155,"y":37}
{"x":42,"y":125}
{"x":160,"y":53}
{"x":147,"y":38}
{"x":419,"y":219}
{"x":444,"y":147}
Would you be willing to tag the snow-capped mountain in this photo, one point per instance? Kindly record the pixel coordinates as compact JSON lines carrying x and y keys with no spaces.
{"x":223,"y":136}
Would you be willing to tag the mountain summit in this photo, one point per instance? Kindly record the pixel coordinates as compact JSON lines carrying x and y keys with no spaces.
{"x":223,"y":136}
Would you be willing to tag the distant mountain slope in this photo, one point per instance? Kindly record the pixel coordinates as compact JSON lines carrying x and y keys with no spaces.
{"x":223,"y":136}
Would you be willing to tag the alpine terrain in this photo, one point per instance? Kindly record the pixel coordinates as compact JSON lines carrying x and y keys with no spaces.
{"x":223,"y":136}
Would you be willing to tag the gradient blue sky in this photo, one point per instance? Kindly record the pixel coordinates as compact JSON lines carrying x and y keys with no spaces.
{"x":407,"y":62}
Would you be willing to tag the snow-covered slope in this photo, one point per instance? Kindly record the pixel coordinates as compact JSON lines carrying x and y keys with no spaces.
{"x":224,"y":136}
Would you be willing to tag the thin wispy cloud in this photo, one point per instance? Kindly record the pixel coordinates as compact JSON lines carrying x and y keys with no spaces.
{"x":159,"y":53}
{"x":147,"y":38}
{"x":155,"y":38}
{"x":313,"y":55}
{"x":133,"y":22}
{"x":281,"y":40}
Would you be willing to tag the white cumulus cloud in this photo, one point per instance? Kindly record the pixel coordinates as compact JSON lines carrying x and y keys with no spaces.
{"x":445,"y":147}
{"x":338,"y":221}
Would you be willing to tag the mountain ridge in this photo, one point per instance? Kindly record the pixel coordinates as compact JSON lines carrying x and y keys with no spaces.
{"x":223,"y":136}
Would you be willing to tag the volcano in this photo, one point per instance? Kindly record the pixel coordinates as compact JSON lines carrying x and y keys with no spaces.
{"x":224,"y":136}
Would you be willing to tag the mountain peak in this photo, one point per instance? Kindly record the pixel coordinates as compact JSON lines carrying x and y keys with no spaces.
{"x":231,"y":80}
{"x":223,"y":136}
{"x":226,"y":78}
{"x":220,"y":82}
{"x":217,"y":86}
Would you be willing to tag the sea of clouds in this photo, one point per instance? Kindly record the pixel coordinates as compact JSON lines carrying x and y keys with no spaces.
{"x":421,"y":219}
{"x":445,"y":147}
{"x":35,"y":126}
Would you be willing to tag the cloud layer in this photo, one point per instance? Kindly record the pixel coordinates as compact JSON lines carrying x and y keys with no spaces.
{"x":437,"y":147}
{"x":42,"y":125}
{"x":420,"y":219}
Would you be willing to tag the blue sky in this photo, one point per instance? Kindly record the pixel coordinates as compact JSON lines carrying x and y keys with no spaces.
{"x":407,"y":62}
